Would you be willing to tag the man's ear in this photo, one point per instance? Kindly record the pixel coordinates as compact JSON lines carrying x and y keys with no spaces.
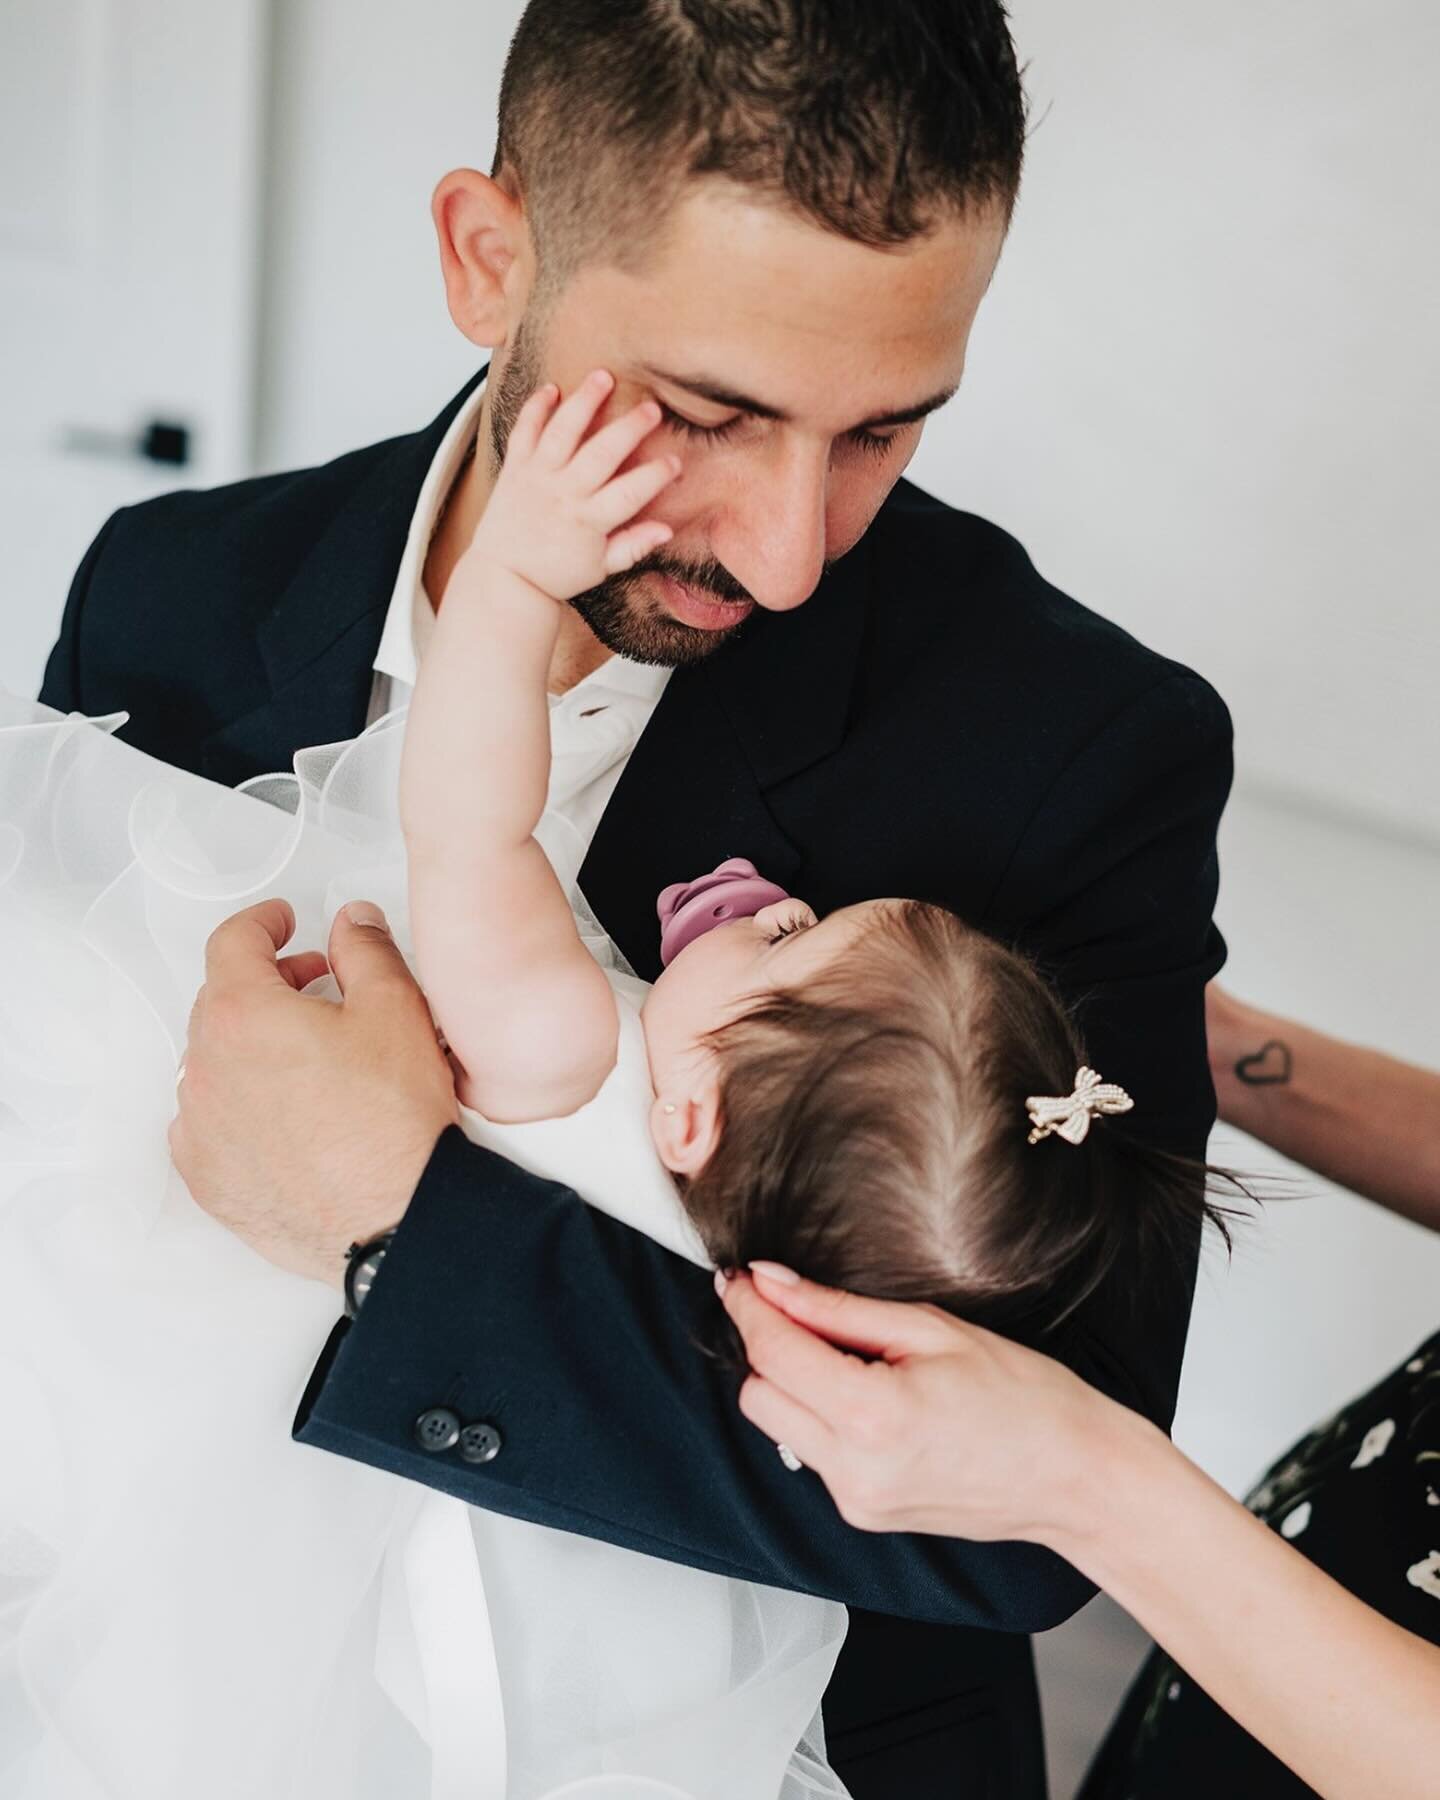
{"x":687,"y":1130}
{"x":484,"y":254}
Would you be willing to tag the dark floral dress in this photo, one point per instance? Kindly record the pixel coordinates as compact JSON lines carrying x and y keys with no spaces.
{"x":1361,"y":1498}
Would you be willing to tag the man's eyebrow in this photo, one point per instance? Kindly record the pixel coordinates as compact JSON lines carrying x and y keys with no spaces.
{"x":719,"y":395}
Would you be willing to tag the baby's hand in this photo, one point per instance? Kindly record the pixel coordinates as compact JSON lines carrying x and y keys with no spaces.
{"x":559,"y":515}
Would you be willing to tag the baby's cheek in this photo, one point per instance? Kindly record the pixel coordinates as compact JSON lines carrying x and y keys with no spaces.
{"x":676,"y":1000}
{"x":658,"y":1019}
{"x":700,"y":994}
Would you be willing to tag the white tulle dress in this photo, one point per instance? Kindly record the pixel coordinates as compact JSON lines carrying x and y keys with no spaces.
{"x":192,"y":1605}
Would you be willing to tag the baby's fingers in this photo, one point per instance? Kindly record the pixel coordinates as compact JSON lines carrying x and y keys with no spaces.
{"x":567,"y":428}
{"x":619,"y":500}
{"x":529,"y":427}
{"x":611,"y":448}
{"x":634,"y":544}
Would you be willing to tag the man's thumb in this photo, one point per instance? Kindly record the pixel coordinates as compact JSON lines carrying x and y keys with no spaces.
{"x":363,"y":955}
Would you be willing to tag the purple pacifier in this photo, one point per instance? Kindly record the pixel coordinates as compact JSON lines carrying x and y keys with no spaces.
{"x":688,"y":909}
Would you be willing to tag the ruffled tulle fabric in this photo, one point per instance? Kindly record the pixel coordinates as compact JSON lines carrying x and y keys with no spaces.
{"x":190,"y":1602}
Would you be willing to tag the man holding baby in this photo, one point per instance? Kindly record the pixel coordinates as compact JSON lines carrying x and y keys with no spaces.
{"x":776,"y":221}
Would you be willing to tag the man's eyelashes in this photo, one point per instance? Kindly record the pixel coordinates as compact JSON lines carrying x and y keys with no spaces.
{"x":870,"y":442}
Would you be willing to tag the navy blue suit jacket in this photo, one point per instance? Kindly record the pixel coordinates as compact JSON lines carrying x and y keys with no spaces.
{"x":936,"y":721}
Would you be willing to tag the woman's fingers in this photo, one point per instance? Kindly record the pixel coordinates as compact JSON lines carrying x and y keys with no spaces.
{"x":877,"y":1327}
{"x":785,"y":1420}
{"x":822,"y":1378}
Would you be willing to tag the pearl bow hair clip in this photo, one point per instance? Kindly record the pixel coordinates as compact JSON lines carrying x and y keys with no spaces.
{"x":1070,"y":1118}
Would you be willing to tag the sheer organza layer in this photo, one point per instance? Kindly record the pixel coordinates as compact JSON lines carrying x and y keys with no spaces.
{"x":190,"y":1602}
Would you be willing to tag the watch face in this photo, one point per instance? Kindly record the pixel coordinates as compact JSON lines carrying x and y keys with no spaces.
{"x":361,"y":1277}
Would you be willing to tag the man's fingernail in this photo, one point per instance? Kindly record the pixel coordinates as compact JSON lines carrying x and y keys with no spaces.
{"x":776,"y":1272}
{"x":365,"y":912}
{"x":722,"y":1281}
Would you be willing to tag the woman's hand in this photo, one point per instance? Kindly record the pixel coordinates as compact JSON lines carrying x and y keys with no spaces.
{"x":952,"y":1430}
{"x":560,"y":515}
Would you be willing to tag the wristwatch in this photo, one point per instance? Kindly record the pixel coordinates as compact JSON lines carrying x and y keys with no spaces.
{"x":362,"y":1264}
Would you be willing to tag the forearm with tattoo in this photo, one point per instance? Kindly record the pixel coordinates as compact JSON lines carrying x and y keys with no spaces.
{"x":1357,"y":1117}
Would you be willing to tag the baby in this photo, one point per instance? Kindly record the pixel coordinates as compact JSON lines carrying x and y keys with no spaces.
{"x":868,"y":1098}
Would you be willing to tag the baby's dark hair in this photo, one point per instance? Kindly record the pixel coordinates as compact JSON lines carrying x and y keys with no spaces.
{"x":874,"y":1135}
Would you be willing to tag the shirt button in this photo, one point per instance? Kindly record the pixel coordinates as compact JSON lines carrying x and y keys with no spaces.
{"x":437,"y":1429}
{"x":480,"y":1443}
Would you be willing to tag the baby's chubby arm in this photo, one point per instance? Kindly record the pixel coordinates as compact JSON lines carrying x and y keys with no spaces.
{"x":527,"y":1012}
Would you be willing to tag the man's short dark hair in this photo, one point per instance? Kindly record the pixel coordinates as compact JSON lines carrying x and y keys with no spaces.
{"x":874,"y":118}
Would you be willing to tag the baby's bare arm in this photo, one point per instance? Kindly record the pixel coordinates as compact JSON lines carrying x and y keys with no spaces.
{"x":526,"y":1010}
{"x":528,"y":1014}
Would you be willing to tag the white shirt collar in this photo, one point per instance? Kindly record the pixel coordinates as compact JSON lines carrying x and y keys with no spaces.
{"x":410,"y":617}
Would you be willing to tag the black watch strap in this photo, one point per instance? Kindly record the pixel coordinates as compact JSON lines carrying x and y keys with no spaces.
{"x":362,"y":1264}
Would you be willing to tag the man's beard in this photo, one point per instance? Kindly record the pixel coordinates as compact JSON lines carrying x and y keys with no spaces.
{"x":618,"y":611}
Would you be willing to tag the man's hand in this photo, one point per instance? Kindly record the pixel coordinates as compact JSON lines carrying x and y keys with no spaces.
{"x":304,"y":1126}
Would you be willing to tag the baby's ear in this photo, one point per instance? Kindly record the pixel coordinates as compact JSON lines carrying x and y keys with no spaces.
{"x":687,"y":1130}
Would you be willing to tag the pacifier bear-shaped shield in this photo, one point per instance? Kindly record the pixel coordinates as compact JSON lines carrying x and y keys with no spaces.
{"x":688,"y":909}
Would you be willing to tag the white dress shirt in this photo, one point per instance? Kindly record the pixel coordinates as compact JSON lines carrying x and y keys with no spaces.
{"x":593,"y":727}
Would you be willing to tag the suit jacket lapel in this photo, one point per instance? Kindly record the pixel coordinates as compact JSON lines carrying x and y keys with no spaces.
{"x":319,"y":640}
{"x":726,"y":731}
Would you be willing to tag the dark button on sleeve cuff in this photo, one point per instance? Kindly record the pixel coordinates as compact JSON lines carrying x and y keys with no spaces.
{"x":480,"y":1443}
{"x":437,"y":1429}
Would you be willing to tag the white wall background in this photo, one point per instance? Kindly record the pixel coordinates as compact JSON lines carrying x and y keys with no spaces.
{"x":130,"y":158}
{"x":371,"y":103}
{"x":1206,"y":386}
{"x":1203,"y":392}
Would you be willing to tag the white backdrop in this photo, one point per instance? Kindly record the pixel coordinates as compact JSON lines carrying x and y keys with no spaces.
{"x":1206,"y":385}
{"x":129,"y":192}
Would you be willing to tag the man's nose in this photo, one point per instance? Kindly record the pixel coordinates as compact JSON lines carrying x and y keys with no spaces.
{"x":776,"y":546}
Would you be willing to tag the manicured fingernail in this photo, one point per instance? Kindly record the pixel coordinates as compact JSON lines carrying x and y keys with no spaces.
{"x":365,"y":912}
{"x":776,"y":1272}
{"x":722,"y":1281}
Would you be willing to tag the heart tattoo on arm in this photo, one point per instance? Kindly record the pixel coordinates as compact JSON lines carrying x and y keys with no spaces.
{"x":1270,"y":1066}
